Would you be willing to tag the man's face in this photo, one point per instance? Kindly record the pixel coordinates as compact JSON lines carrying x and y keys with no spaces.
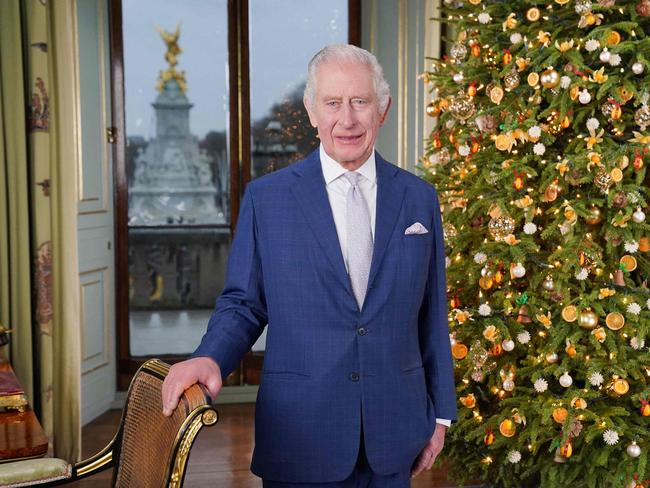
{"x":346,"y":112}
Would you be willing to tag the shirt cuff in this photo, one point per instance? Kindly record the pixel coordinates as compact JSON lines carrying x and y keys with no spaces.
{"x":444,"y":422}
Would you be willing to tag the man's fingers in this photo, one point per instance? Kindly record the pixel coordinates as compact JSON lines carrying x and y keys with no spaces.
{"x":214,"y":386}
{"x":422,"y":462}
{"x":171,"y":392}
{"x":432,"y":460}
{"x":186,"y":373}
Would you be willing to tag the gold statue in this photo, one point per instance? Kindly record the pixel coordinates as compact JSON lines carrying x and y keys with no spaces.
{"x":173,"y":50}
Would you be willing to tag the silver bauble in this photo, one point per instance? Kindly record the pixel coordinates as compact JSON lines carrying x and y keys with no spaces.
{"x":642,"y":117}
{"x":633,"y":450}
{"x":638,"y":216}
{"x":583,"y":6}
{"x":458,"y":52}
{"x":566,"y":380}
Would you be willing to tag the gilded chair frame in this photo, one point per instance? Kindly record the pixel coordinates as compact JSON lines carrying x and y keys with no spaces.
{"x":203,"y":415}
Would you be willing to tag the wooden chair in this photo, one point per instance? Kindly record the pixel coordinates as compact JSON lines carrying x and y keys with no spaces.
{"x":149,"y":449}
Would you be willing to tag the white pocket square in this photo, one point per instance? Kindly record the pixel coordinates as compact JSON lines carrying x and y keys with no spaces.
{"x":416,"y":228}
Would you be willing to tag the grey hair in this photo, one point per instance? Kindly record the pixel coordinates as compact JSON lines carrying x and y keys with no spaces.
{"x":348,"y":53}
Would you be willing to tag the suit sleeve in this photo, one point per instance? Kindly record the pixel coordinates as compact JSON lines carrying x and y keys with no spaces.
{"x":240,"y":314}
{"x":434,"y":330}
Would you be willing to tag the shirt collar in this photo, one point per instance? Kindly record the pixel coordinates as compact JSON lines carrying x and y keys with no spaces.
{"x":332,"y":170}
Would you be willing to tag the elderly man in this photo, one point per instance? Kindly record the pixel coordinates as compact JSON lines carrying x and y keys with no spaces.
{"x":341,"y":254}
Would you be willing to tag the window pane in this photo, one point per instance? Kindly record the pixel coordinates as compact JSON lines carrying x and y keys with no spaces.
{"x":284,"y":35}
{"x":176,"y":97}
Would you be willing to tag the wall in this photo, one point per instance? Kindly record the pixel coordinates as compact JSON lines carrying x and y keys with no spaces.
{"x":399,"y":33}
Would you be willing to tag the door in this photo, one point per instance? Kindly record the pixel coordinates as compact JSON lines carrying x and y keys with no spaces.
{"x":95,"y":212}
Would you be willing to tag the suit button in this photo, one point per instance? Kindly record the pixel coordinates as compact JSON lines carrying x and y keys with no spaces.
{"x":362,"y":331}
{"x":354,"y":377}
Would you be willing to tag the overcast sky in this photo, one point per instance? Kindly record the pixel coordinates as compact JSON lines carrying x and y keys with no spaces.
{"x":284,"y":35}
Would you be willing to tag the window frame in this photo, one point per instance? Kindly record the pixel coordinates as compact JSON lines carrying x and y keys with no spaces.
{"x":239,"y":155}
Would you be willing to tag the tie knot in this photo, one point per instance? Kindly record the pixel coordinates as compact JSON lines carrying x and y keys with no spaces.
{"x":352,"y":177}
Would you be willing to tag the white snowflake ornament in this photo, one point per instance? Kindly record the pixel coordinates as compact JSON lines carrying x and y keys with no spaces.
{"x":484,"y":18}
{"x":592,"y":123}
{"x":530,"y":228}
{"x":480,"y":257}
{"x":610,"y":437}
{"x":631,"y":246}
{"x":634,"y":308}
{"x":523,"y":337}
{"x":539,"y":149}
{"x":596,"y":379}
{"x":637,"y":344}
{"x":591,"y":45}
{"x":514,"y":456}
{"x":484,"y":309}
{"x":582,"y":274}
{"x":541,"y":385}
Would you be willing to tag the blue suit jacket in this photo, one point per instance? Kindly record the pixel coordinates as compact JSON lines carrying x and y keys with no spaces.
{"x":330,"y":367}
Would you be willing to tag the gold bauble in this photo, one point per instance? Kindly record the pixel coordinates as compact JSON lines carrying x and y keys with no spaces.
{"x":603,"y":180}
{"x":458,"y":52}
{"x":511,"y":80}
{"x":501,"y":226}
{"x":588,"y":319}
{"x":642,"y":117}
{"x":433,"y":109}
{"x":595,"y":216}
{"x":449,"y":232}
{"x":462,"y":106}
{"x":615,"y":321}
{"x":490,"y":58}
{"x":549,"y":78}
{"x":548,"y":283}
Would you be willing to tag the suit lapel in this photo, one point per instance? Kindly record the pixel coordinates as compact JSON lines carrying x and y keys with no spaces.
{"x":390,"y":193}
{"x":309,"y":189}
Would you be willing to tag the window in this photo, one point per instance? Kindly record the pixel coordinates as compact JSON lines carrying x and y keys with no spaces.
{"x":211,"y":98}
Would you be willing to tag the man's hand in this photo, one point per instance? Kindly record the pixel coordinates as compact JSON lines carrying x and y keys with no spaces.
{"x":431,"y":450}
{"x":184,"y":374}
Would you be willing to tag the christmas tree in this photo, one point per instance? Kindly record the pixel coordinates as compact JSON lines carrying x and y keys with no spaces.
{"x":539,"y":157}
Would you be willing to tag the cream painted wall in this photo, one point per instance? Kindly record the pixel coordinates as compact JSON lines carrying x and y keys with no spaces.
{"x":399,"y":33}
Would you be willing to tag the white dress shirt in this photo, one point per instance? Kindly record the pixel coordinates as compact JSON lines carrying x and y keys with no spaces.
{"x":337,"y":189}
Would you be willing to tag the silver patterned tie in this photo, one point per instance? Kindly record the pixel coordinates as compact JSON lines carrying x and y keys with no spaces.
{"x":359,"y":237}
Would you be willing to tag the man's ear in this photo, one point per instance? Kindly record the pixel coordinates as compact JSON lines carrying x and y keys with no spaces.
{"x":310,"y":112}
{"x":383,"y":116}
